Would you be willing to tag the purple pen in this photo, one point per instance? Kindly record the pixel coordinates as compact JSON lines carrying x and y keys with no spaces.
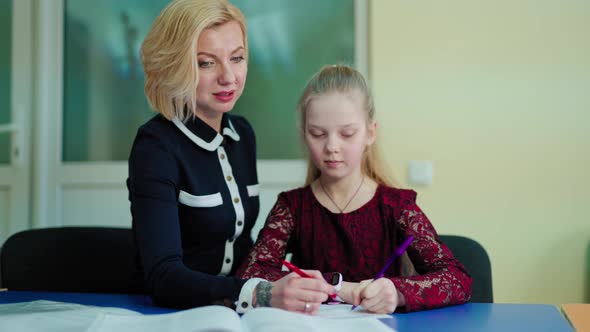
{"x":396,"y":253}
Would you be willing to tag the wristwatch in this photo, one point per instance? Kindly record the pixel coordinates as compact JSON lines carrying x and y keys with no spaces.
{"x":336,"y":280}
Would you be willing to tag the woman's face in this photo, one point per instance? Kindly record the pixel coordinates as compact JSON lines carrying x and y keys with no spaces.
{"x":222,"y":64}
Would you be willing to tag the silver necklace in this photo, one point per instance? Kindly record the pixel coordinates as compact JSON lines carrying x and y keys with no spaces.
{"x":350,"y":200}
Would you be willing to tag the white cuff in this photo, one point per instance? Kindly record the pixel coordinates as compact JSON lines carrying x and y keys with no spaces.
{"x":245,"y":299}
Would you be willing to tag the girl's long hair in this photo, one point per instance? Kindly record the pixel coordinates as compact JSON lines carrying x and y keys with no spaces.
{"x":347,"y":80}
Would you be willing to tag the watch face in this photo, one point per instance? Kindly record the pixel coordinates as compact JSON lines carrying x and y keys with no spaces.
{"x":335,"y":279}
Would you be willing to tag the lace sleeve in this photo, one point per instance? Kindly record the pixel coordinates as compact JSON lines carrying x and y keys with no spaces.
{"x":264,"y":261}
{"x":442,"y":280}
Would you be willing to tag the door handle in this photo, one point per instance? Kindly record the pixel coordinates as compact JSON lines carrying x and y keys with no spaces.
{"x":16,"y":129}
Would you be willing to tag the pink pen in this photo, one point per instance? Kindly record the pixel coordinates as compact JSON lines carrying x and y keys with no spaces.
{"x":300,"y":272}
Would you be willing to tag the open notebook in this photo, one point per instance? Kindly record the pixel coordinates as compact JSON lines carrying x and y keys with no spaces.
{"x":63,"y":317}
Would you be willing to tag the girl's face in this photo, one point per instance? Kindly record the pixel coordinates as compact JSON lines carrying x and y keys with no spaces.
{"x":222,"y":69}
{"x":337,"y":133}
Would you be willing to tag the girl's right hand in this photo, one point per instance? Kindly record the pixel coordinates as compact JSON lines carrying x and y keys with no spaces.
{"x":378,"y":296}
{"x":350,"y":291}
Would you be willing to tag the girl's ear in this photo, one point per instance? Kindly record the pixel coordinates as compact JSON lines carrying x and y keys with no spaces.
{"x":371,"y":133}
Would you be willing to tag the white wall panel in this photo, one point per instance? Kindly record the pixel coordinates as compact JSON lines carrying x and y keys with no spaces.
{"x":95,"y":205}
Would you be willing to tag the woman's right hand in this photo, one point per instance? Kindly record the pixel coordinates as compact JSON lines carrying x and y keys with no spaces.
{"x":295,"y":293}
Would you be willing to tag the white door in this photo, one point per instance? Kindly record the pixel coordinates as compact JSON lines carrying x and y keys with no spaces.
{"x":15,"y":106}
{"x":69,"y":193}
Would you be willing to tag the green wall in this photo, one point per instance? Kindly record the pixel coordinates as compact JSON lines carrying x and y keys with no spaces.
{"x":104,"y":102}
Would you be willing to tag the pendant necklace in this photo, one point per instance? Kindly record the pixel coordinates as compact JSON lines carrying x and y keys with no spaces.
{"x":350,"y":200}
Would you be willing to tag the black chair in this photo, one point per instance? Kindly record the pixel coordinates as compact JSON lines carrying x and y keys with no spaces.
{"x":71,"y":259}
{"x":477,"y":262}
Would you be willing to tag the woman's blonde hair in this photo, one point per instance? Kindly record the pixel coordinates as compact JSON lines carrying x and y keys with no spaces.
{"x":169,"y":53}
{"x":347,"y":80}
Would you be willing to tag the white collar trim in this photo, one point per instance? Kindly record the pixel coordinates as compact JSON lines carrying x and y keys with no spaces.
{"x":231,"y":131}
{"x":209,"y":146}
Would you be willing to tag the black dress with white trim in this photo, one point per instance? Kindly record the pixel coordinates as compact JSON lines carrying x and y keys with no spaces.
{"x":194,"y":201}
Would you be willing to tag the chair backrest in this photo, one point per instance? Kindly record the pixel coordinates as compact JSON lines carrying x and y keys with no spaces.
{"x":71,"y":259}
{"x":477,"y":262}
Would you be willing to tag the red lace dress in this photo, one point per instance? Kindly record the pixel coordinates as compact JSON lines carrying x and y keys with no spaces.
{"x":358,"y":243}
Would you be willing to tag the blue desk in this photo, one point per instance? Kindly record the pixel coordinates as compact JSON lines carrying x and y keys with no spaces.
{"x":468,"y":317}
{"x":484,"y":317}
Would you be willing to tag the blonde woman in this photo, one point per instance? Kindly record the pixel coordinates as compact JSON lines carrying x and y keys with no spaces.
{"x":192,"y":180}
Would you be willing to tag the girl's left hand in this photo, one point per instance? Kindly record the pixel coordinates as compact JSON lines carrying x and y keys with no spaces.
{"x":379,"y":296}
